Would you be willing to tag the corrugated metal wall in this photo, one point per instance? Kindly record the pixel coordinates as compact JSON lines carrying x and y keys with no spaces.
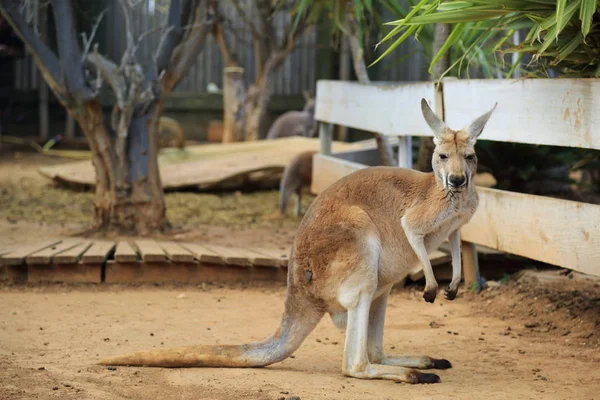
{"x":297,"y":74}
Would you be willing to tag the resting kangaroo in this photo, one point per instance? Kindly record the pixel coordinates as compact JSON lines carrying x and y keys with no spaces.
{"x":359,"y":237}
{"x":295,"y":123}
{"x":296,"y":176}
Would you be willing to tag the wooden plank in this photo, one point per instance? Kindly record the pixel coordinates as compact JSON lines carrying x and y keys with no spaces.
{"x":67,"y":273}
{"x":199,"y":167}
{"x":125,"y":253}
{"x":270,"y":257}
{"x":17,"y":256}
{"x":436,"y":257}
{"x":45,"y":256}
{"x":98,"y":252}
{"x":231,"y":255}
{"x":72,"y":256}
{"x":328,"y":169}
{"x":150,"y":251}
{"x":190,"y":273}
{"x":202,"y":253}
{"x":558,"y":112}
{"x":389,"y":109}
{"x":555,"y":231}
{"x":176,"y":253}
{"x":6,"y":250}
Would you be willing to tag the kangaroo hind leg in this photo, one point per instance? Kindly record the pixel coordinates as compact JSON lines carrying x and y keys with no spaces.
{"x":375,"y":342}
{"x":356,"y":360}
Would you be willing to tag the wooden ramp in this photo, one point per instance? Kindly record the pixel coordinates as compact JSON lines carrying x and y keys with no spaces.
{"x":213,"y":166}
{"x":80,"y":260}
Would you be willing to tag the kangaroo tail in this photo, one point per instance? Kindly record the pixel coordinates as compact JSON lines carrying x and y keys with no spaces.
{"x":299,"y":319}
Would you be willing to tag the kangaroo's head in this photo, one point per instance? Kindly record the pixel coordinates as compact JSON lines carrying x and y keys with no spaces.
{"x":310,"y":102}
{"x":454,"y":161}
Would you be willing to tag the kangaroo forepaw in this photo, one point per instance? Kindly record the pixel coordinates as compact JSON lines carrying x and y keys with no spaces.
{"x":450,"y":294}
{"x":429,"y":295}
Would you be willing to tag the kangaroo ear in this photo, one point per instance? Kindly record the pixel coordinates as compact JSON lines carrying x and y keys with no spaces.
{"x":476,"y":127}
{"x":438,"y":126}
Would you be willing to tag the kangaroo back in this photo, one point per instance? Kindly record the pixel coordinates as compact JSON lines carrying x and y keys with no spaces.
{"x":292,"y":123}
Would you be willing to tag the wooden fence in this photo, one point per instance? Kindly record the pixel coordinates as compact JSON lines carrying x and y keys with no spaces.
{"x":556,"y":112}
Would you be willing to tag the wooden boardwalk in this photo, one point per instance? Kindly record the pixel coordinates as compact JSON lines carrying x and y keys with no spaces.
{"x":80,"y":260}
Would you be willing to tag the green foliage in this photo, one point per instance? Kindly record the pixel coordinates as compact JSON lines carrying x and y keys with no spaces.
{"x":562,"y":34}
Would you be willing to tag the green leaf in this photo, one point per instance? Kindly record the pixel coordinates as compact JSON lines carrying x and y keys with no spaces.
{"x":454,"y":36}
{"x":586,"y":14}
{"x":560,"y":14}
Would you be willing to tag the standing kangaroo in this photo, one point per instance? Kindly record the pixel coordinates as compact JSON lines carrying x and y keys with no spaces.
{"x":359,"y":237}
{"x":296,"y":176}
{"x":295,"y":123}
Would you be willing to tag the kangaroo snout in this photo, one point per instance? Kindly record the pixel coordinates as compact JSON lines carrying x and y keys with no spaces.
{"x":457,"y":181}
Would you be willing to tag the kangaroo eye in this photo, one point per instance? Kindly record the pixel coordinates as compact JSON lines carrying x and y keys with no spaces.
{"x":470,"y":157}
{"x":443,"y":156}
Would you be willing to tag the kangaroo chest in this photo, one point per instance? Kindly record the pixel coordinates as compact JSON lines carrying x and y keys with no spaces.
{"x":457,"y":216}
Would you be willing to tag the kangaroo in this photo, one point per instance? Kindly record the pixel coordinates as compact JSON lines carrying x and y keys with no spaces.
{"x":359,"y":237}
{"x":296,"y":176}
{"x":295,"y":123}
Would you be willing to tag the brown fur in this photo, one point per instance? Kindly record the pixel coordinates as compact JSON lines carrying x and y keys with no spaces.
{"x":296,"y":176}
{"x":360,"y":236}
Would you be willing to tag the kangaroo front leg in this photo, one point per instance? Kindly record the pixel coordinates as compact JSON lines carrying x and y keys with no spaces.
{"x":356,"y":361}
{"x":418,"y":245}
{"x":375,"y":343}
{"x":452,"y":289}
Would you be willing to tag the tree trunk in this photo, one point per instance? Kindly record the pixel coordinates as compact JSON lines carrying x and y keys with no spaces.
{"x":426,"y":145}
{"x":386,"y":153}
{"x":139,"y":207}
{"x":256,"y":104}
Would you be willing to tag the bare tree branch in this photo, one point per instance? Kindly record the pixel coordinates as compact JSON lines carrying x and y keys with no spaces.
{"x":255,"y":33}
{"x":184,"y":55}
{"x":45,"y":59}
{"x":70,"y":53}
{"x":129,"y":53}
{"x":171,"y":38}
{"x":110,"y":72}
{"x":87,"y":43}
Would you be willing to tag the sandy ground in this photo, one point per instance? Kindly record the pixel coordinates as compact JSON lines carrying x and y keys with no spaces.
{"x":51,"y":337}
{"x":525,"y":339}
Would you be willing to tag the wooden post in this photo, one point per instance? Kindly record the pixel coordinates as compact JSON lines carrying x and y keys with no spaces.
{"x":470,"y":265}
{"x":405,"y":151}
{"x":233,"y":82}
{"x":325,"y":134}
{"x":342,"y":131}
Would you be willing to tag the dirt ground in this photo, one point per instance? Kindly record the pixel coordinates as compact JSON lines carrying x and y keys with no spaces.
{"x":535,"y":335}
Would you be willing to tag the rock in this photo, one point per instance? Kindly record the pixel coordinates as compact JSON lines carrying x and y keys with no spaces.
{"x":532,"y":325}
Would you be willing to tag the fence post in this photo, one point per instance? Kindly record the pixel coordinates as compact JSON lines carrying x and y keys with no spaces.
{"x":325,"y":134}
{"x":405,"y":151}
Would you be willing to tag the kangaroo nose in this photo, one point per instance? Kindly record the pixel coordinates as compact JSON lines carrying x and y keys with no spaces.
{"x":456,"y":180}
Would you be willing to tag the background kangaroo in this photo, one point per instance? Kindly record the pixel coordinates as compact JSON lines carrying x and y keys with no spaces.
{"x":296,"y":176}
{"x":359,"y":237}
{"x":295,"y":123}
